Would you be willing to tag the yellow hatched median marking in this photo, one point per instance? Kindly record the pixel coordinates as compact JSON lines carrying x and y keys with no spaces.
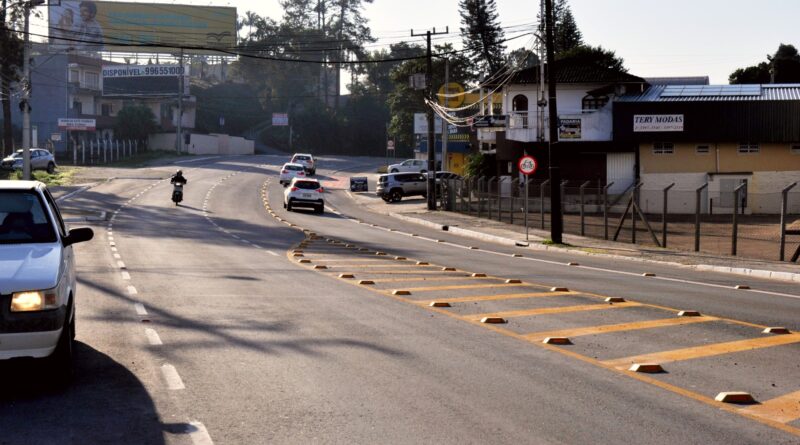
{"x":468,"y":286}
{"x":338,"y":260}
{"x":464,"y":277}
{"x":782,"y":409}
{"x":705,"y":351}
{"x":498,"y":297}
{"x":393,"y":264}
{"x":551,"y":310}
{"x":603,"y":329}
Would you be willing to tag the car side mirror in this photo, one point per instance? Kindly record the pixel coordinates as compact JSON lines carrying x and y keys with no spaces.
{"x":78,"y":236}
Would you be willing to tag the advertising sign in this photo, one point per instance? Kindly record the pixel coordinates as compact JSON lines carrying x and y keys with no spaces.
{"x":657,"y":122}
{"x":143,"y":80}
{"x":498,"y":121}
{"x":140,"y":27}
{"x":70,"y":124}
{"x":421,"y":124}
{"x":280,"y":119}
{"x":569,"y":129}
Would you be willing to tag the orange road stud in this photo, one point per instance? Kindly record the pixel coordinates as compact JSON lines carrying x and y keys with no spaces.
{"x":742,"y":287}
{"x":349,"y":245}
{"x":298,"y":254}
{"x":440,"y":240}
{"x":493,"y":320}
{"x":735,"y":397}
{"x":559,"y":289}
{"x":366,"y":282}
{"x":422,"y":263}
{"x":557,"y":341}
{"x":649,"y":368}
{"x":448,"y":269}
{"x":414,"y":234}
{"x":401,"y":292}
{"x":775,"y":330}
{"x":320,"y":266}
{"x":474,"y":247}
{"x":400,"y":258}
{"x":439,"y":304}
{"x":517,"y":255}
{"x":297,"y":251}
{"x":513,"y":281}
{"x":615,"y":300}
{"x":572,"y":263}
{"x":346,"y":275}
{"x":479,"y":275}
{"x":380,"y":253}
{"x":304,"y":261}
{"x":648,"y":274}
{"x":688,"y":314}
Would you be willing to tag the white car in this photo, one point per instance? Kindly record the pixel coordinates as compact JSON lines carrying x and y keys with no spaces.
{"x":307,"y":161}
{"x":304,"y":193}
{"x":289,"y":171}
{"x":37,"y":277}
{"x":409,"y":166}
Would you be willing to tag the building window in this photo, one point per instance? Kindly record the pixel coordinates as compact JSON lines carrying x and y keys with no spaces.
{"x":519,"y":103}
{"x":702,"y":149}
{"x":748,"y":148}
{"x":106,"y":109}
{"x":77,"y":106}
{"x":795,"y":149}
{"x":74,"y":76}
{"x":594,"y":102}
{"x":663,"y":148}
{"x":92,"y":80}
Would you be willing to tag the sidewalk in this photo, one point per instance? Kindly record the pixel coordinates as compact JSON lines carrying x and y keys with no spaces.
{"x":415,"y":211}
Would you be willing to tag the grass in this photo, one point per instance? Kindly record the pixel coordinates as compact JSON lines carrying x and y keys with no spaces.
{"x":549,"y":242}
{"x":62,"y":176}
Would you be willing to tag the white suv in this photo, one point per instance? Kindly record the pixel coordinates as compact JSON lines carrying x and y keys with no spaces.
{"x":304,"y":193}
{"x":289,"y":171}
{"x":409,"y":166}
{"x":37,"y":276}
{"x":307,"y":161}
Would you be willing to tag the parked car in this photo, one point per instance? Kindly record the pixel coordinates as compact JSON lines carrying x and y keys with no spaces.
{"x":41,"y":159}
{"x":409,"y":166}
{"x":307,"y":161}
{"x":393,"y":187}
{"x":289,"y":171}
{"x":304,"y":193}
{"x":37,"y":277}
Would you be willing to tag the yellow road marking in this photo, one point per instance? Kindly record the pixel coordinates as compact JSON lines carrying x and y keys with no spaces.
{"x":392,"y":264}
{"x":705,"y":350}
{"x":412,"y":271}
{"x":782,"y":409}
{"x":465,"y":277}
{"x":499,"y":297}
{"x":552,"y":310}
{"x":466,"y":286}
{"x":603,"y":329}
{"x":336,"y":260}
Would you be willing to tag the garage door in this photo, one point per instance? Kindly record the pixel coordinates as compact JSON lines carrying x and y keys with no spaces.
{"x":620,"y":169}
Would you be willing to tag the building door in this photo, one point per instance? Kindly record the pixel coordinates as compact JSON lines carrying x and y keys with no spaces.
{"x":621,"y":170}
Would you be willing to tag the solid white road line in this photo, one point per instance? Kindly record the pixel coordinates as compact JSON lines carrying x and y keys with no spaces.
{"x":197,"y":431}
{"x":140,"y":310}
{"x":172,"y":378}
{"x":272,"y":253}
{"x":152,"y":337}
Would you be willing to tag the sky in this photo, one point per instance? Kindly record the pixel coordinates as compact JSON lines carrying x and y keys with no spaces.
{"x":655,"y":37}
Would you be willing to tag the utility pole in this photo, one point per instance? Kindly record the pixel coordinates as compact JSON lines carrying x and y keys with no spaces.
{"x":556,"y":221}
{"x":26,"y":92}
{"x":445,"y":129}
{"x":431,"y":139}
{"x":179,"y":124}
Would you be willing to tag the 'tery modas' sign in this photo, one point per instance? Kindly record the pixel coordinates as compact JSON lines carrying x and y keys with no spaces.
{"x":657,"y":122}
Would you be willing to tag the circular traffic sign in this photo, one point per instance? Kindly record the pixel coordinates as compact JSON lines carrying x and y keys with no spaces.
{"x":527,"y":165}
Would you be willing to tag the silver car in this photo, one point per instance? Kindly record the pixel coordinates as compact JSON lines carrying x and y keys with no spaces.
{"x":394,"y":186}
{"x":41,"y":159}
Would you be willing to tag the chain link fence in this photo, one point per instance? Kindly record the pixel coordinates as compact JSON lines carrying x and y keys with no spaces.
{"x":735,"y":222}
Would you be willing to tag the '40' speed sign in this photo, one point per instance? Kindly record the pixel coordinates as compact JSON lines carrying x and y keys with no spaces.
{"x":527,"y":165}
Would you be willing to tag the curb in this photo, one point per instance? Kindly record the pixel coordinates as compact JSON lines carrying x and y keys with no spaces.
{"x":756,"y":273}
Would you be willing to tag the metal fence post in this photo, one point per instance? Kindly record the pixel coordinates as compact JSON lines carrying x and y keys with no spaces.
{"x":563,"y":197}
{"x":74,"y":152}
{"x":664,"y":216}
{"x":499,"y":199}
{"x":541,"y":200}
{"x":735,"y":232}
{"x":784,"y":209}
{"x":105,"y":156}
{"x":514,"y":188}
{"x":605,"y":208}
{"x":635,"y":198}
{"x":698,"y":196}
{"x":583,"y":189}
{"x":83,"y":152}
{"x":479,"y":195}
{"x":470,"y":184}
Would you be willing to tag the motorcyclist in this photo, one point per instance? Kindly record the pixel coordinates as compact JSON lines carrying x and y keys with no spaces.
{"x":178,"y":178}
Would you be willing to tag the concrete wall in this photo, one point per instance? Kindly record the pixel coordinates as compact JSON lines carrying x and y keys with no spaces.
{"x":721,"y":158}
{"x":205,"y":144}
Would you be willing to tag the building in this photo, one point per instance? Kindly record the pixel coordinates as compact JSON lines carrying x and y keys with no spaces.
{"x":720,"y":135}
{"x":68,"y":85}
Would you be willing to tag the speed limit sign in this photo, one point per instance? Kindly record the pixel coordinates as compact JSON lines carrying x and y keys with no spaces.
{"x":527,"y":165}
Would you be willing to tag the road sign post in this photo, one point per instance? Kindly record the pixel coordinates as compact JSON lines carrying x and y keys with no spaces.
{"x":527,"y":166}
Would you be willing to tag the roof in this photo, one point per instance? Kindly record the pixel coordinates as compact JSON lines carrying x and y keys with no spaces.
{"x":569,"y":71}
{"x":688,"y":80}
{"x":19,"y":185}
{"x":716,"y":93}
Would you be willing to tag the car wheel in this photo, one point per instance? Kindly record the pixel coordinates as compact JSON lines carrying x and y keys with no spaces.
{"x":320,"y":210}
{"x":51,"y":168}
{"x":289,"y":206}
{"x":284,"y":204}
{"x":394,"y":170}
{"x":61,"y":358}
{"x":396,"y":195}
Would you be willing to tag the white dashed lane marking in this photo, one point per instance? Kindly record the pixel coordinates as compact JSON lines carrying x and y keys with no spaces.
{"x":140,"y":310}
{"x":197,"y":431}
{"x":126,"y":275}
{"x":152,"y":337}
{"x":132,"y":290}
{"x":173,"y":379}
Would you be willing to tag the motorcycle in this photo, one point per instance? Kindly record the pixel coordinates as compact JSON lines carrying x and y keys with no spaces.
{"x":177,"y":193}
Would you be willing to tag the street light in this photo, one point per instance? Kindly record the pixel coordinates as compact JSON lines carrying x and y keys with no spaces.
{"x":26,"y":91}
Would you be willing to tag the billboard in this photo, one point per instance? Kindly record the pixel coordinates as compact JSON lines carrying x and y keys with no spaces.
{"x":140,"y":27}
{"x":143,"y":80}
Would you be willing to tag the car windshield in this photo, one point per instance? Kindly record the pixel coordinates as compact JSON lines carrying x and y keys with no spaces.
{"x":294,"y":167}
{"x":302,"y":158}
{"x":307,"y":185}
{"x":24,"y":219}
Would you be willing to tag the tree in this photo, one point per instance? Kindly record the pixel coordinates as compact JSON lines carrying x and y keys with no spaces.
{"x":781,"y":67}
{"x":593,"y":55}
{"x":566,"y":35}
{"x":135,"y":122}
{"x":237,"y":103}
{"x":11,"y":55}
{"x":482,"y":35}
{"x":522,"y":58}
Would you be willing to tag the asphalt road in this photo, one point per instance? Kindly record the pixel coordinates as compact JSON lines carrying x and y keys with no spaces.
{"x":198,"y":324}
